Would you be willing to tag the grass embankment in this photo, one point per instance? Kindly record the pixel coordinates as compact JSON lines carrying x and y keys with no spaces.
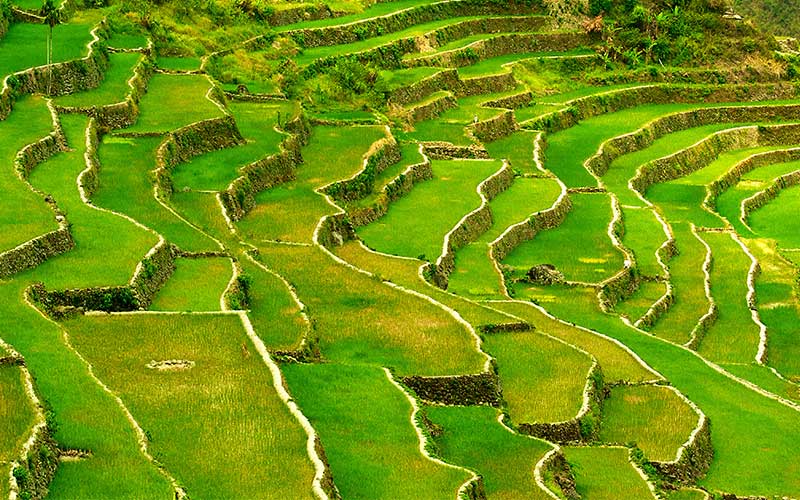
{"x":584,"y":230}
{"x":174,"y":101}
{"x":543,"y":379}
{"x":114,"y":87}
{"x":120,"y":243}
{"x":475,"y":274}
{"x":472,"y":437}
{"x":16,"y":419}
{"x":364,"y":423}
{"x":196,"y":285}
{"x":444,"y":200}
{"x":215,"y":170}
{"x":653,"y":417}
{"x":291,"y":211}
{"x":201,"y":421}
{"x":734,"y":409}
{"x":125,"y":187}
{"x":605,"y":474}
{"x":23,"y":214}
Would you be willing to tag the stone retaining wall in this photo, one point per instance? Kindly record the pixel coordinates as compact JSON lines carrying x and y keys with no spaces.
{"x":447,"y":151}
{"x":761,"y":198}
{"x":32,"y":253}
{"x":471,"y":227}
{"x":734,"y":175}
{"x":34,"y":474}
{"x":644,"y":137}
{"x":432,"y":109}
{"x":609,"y":102}
{"x":444,"y":80}
{"x":520,"y":233}
{"x":582,"y":428}
{"x":489,"y":84}
{"x":495,"y":128}
{"x":239,"y":198}
{"x":384,"y":153}
{"x":461,"y":390}
{"x":558,"y":466}
{"x":399,"y":187}
{"x":694,"y":461}
{"x":516,"y":101}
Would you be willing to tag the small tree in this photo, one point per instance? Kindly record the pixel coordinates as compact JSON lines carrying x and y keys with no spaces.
{"x":52,"y":17}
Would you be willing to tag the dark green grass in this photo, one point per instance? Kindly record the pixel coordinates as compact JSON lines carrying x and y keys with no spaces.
{"x":360,"y":320}
{"x":114,"y":87}
{"x":120,"y":243}
{"x":125,"y":187}
{"x":275,"y":316}
{"x":215,"y":170}
{"x":196,"y":285}
{"x":174,"y":101}
{"x":472,"y":437}
{"x":86,"y":416}
{"x":364,"y":424}
{"x":734,"y":337}
{"x":127,"y":41}
{"x":451,"y":131}
{"x":518,"y":149}
{"x":16,"y":419}
{"x":734,"y":409}
{"x":24,"y":45}
{"x":653,"y":417}
{"x":23,"y":214}
{"x":686,"y":274}
{"x":219,"y":427}
{"x":543,"y":379}
{"x":291,"y":211}
{"x":605,"y":474}
{"x":179,"y":63}
{"x":584,"y":231}
{"x":644,"y":235}
{"x":445,"y":199}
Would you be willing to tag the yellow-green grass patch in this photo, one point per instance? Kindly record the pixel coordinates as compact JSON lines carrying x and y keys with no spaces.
{"x":543,"y":379}
{"x":472,"y":437}
{"x":217,"y":423}
{"x":360,"y":320}
{"x":654,"y":417}
{"x":174,"y":101}
{"x":364,"y":424}
{"x":605,"y":473}
{"x":196,"y":285}
{"x":635,"y":306}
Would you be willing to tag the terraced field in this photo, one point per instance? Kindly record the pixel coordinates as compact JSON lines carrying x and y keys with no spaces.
{"x":506,"y":281}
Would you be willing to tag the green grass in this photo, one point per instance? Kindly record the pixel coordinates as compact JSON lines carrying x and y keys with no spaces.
{"x":29,"y":122}
{"x":125,"y":187}
{"x":127,"y":41}
{"x":617,"y":363}
{"x":16,"y":420}
{"x":688,"y":281}
{"x":114,"y":87}
{"x":440,"y":130}
{"x":85,"y":415}
{"x":360,"y":320}
{"x":734,"y":409}
{"x":402,"y":77}
{"x":776,"y":220}
{"x":196,"y":285}
{"x":734,"y":337}
{"x":584,"y":230}
{"x":96,"y":233}
{"x":291,"y":211}
{"x":605,"y":474}
{"x":203,"y":210}
{"x":24,"y":45}
{"x":215,"y":170}
{"x":640,"y":302}
{"x":274,"y":315}
{"x":653,"y":417}
{"x":446,"y":198}
{"x":518,"y":149}
{"x":364,"y":424}
{"x":201,"y":421}
{"x":644,"y":235}
{"x":174,"y":101}
{"x":475,"y":274}
{"x":543,"y":379}
{"x":179,"y":63}
{"x":494,"y":65}
{"x":472,"y":437}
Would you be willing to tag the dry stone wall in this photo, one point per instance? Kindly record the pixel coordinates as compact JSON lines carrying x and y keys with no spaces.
{"x":495,"y":128}
{"x":433,"y":108}
{"x":761,"y":198}
{"x":34,"y":475}
{"x":462,"y":390}
{"x":446,"y":151}
{"x":732,"y":177}
{"x":694,"y":461}
{"x":385,"y":153}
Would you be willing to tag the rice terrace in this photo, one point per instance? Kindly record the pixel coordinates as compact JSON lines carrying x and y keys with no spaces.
{"x":400,"y":249}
